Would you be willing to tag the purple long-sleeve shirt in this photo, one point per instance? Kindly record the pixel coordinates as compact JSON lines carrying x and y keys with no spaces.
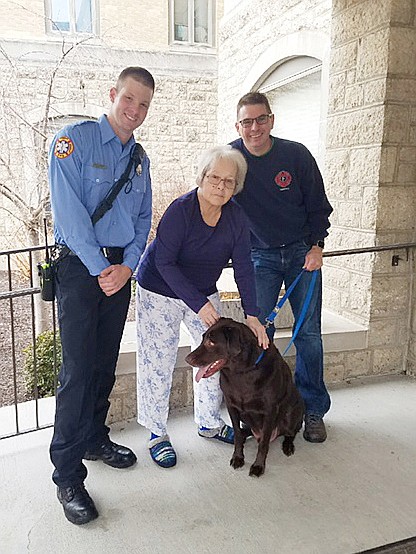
{"x":187,"y":256}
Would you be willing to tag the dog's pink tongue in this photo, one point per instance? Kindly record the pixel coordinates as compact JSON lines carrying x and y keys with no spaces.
{"x":200,"y":373}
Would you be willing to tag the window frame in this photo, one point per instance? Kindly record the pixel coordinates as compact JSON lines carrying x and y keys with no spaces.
{"x":72,"y":21}
{"x":211,"y":26}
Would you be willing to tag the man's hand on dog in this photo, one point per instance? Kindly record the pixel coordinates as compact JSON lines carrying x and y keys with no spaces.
{"x":259,"y":330}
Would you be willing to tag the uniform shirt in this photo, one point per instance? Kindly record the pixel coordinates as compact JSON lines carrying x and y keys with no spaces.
{"x":283,"y":195}
{"x":85,"y":160}
{"x":187,"y":256}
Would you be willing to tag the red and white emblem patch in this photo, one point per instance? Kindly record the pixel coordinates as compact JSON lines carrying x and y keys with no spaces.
{"x":283,"y":179}
{"x":63,"y":147}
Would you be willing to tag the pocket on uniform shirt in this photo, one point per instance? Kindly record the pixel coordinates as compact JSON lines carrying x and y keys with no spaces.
{"x":138,"y":188}
{"x":97,"y":183}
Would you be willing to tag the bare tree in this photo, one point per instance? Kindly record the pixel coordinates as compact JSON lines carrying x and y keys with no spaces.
{"x":28,"y":120}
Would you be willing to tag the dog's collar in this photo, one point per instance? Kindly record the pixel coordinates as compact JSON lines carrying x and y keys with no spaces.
{"x":260,"y":357}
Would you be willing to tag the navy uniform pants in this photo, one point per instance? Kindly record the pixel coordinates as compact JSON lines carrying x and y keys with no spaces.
{"x":91,"y":326}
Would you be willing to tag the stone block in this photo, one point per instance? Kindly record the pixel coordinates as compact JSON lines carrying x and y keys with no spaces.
{"x":369,"y":208}
{"x":412,"y":135}
{"x":407,"y":154}
{"x":336,"y":171}
{"x":359,"y":20}
{"x":402,"y":12}
{"x":357,"y":364}
{"x":364,"y":166}
{"x":386,"y":332}
{"x":349,"y":214}
{"x":336,"y":97}
{"x":396,"y":124}
{"x":373,"y":51}
{"x":383,"y":262}
{"x":375,"y":91}
{"x":334,"y":367}
{"x":337,"y":278}
{"x":343,"y":57}
{"x":400,"y":89}
{"x":360,"y":293}
{"x":354,"y":96}
{"x":360,"y":127}
{"x":390,"y":296}
{"x":388,"y":361}
{"x":402,"y":40}
{"x":407,"y":173}
{"x":388,"y":163}
{"x":400,"y":213}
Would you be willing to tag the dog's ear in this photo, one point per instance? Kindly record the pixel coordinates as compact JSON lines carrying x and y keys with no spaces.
{"x":232,"y":337}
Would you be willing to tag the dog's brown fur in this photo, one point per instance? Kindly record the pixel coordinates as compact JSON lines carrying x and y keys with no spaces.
{"x":262,"y":395}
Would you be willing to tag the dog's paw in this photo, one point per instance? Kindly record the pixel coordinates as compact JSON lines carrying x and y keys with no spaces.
{"x":288,"y":449}
{"x":236,"y":462}
{"x":256,"y":470}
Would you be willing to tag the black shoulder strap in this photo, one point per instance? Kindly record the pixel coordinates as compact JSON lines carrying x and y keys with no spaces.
{"x":135,"y":160}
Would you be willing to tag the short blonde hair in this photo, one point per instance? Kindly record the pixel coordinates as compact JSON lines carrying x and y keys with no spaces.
{"x":212,"y":155}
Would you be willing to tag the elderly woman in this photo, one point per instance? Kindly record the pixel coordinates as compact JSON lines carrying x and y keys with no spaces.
{"x":196,"y":237}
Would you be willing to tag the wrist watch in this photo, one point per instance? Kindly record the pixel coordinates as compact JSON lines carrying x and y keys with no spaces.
{"x":319,"y":243}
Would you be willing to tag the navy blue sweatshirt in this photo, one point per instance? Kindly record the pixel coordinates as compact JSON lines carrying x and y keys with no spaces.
{"x":283,"y":195}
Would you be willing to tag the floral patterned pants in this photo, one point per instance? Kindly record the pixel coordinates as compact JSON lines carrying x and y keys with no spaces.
{"x":158,"y":321}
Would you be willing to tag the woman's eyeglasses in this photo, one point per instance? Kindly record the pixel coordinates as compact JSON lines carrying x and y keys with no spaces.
{"x":215,"y":180}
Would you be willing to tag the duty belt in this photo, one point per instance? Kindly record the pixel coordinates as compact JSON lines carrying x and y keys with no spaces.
{"x":110,"y":252}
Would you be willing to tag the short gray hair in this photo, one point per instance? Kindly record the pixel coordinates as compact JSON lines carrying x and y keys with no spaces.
{"x":212,"y":155}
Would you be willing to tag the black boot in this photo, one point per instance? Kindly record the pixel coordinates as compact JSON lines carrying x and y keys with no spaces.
{"x":112,"y":454}
{"x":79,"y":508}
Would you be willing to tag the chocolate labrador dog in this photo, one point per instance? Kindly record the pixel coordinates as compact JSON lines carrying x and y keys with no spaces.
{"x":257,"y":385}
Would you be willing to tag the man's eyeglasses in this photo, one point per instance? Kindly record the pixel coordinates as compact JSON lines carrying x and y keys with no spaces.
{"x":260,"y":120}
{"x":215,"y":180}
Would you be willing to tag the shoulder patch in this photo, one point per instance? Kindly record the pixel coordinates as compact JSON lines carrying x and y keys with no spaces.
{"x":63,"y":147}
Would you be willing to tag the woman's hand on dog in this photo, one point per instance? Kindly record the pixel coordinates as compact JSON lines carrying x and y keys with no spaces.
{"x":259,"y":330}
{"x":209,"y":314}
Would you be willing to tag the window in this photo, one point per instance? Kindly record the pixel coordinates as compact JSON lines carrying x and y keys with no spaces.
{"x":72,"y":16}
{"x":294,"y":92}
{"x":193,"y":21}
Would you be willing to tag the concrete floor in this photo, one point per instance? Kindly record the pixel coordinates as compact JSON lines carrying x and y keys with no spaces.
{"x":354,"y":492}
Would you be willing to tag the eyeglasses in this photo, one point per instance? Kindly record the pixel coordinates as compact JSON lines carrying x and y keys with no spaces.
{"x":260,"y":120}
{"x":215,"y":180}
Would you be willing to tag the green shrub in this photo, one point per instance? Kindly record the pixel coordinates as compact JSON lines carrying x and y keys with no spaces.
{"x":45,"y":368}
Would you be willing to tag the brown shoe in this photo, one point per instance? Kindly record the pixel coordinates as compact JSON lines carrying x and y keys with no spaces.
{"x":314,"y":428}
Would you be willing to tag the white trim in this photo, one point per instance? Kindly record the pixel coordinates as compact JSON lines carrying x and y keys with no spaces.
{"x":315,"y":44}
{"x":294,"y":77}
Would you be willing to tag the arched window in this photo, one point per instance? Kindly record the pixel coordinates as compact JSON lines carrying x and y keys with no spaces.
{"x":294,"y":92}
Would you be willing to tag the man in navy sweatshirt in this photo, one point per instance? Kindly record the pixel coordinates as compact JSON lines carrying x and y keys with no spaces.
{"x":288,"y":211}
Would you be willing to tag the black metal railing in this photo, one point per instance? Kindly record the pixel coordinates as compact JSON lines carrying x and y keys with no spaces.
{"x":19,"y":294}
{"x":18,"y":325}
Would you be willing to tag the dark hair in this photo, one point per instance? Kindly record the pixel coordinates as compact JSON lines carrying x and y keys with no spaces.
{"x":139,"y":74}
{"x":252,"y":98}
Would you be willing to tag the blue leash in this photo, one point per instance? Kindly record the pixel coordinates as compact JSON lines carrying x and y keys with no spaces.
{"x":271,"y":317}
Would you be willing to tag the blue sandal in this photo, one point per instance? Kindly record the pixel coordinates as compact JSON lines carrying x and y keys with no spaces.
{"x":162,"y":452}
{"x":223,"y":434}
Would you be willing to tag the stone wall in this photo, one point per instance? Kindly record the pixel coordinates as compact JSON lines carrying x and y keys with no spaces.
{"x":182,"y":119}
{"x":247,"y":32}
{"x":370,"y":155}
{"x":371,"y":170}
